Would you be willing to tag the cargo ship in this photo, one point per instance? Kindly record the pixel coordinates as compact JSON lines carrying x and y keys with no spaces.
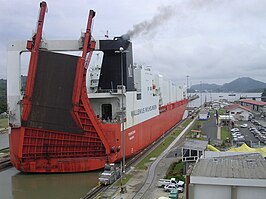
{"x":78,"y":109}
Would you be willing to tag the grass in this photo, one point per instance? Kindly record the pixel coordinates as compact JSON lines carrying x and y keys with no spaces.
{"x":175,"y":171}
{"x":3,"y":122}
{"x":196,"y":126}
{"x":4,"y":151}
{"x":221,"y":111}
{"x":124,"y":180}
{"x":156,"y":152}
{"x":184,"y":124}
{"x":225,"y":133}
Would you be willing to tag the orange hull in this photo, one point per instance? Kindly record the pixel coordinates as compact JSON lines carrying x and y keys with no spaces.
{"x":37,"y":150}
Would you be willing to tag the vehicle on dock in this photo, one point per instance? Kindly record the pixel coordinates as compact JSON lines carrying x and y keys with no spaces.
{"x":165,"y":182}
{"x":110,"y":174}
{"x":244,"y":126}
{"x":170,"y":187}
{"x":235,"y":130}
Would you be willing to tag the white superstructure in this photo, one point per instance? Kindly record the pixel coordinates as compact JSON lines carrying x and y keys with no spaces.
{"x":151,"y":92}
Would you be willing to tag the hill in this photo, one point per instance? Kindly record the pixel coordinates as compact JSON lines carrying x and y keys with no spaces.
{"x":243,"y":84}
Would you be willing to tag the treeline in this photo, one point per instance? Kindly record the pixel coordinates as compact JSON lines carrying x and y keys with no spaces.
{"x":3,"y":93}
{"x":3,"y":98}
{"x":263,"y":95}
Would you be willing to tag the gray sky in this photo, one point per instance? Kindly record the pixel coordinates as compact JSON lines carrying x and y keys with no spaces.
{"x":213,"y":41}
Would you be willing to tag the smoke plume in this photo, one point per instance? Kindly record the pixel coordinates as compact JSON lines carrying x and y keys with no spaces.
{"x":164,"y":13}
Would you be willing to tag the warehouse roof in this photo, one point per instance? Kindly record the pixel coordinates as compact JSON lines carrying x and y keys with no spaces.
{"x":254,"y":102}
{"x":195,"y":144}
{"x":235,"y":106}
{"x":246,"y":166}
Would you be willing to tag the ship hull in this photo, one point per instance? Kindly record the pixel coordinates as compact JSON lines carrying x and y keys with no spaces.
{"x":37,"y":150}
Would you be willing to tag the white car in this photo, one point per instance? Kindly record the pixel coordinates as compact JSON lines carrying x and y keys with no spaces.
{"x":236,"y":134}
{"x":164,"y":182}
{"x":234,"y":130}
{"x":244,"y":126}
{"x":170,"y":187}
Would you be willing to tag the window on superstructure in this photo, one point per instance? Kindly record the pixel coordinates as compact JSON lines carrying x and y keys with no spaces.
{"x":106,"y":112}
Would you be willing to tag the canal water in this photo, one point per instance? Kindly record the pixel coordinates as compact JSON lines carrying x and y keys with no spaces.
{"x":16,"y":185}
{"x":207,"y":97}
{"x":4,"y":141}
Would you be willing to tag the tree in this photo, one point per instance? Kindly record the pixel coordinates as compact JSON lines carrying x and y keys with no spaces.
{"x":263,"y":95}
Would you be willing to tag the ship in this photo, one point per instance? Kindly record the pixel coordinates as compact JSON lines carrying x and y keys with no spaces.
{"x":82,"y":112}
{"x":231,"y":94}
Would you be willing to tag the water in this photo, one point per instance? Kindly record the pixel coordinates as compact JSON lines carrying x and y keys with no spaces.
{"x":218,"y":96}
{"x":4,"y":143}
{"x":16,"y":185}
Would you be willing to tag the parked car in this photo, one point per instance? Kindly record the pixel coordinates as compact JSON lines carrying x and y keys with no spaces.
{"x":171,"y":187}
{"x":254,"y":132}
{"x":256,"y":122}
{"x":244,"y":126}
{"x":262,"y":129}
{"x":234,"y":130}
{"x":165,"y":182}
{"x":251,"y":128}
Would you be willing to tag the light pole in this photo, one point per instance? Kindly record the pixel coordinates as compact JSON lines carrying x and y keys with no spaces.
{"x":187,"y":84}
{"x":188,"y":106}
{"x":121,"y":51}
{"x":200,"y":93}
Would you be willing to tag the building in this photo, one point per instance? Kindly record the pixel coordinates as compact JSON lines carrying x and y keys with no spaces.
{"x":254,"y":105}
{"x":238,"y":112}
{"x":193,"y":149}
{"x":226,"y":120}
{"x":203,"y":114}
{"x":228,"y":176}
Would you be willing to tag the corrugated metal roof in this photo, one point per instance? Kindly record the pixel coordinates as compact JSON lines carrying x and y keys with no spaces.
{"x":247,"y":166}
{"x":259,"y":103}
{"x":195,"y":144}
{"x":235,"y":106}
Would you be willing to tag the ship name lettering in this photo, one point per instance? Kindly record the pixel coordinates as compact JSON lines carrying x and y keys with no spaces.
{"x":143,"y":110}
{"x":131,"y":133}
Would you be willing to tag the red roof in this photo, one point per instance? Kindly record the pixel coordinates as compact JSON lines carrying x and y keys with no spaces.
{"x":234,"y":106}
{"x":254,"y":102}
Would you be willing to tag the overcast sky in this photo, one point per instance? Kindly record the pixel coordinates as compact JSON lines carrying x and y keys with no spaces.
{"x":213,"y":41}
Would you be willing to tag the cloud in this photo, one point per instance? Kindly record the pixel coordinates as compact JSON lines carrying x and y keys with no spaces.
{"x":209,"y":40}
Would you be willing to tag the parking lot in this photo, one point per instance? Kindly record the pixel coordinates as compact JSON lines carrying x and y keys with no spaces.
{"x":254,"y":138}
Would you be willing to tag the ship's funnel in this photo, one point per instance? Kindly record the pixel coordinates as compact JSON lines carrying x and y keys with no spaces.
{"x":125,"y":37}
